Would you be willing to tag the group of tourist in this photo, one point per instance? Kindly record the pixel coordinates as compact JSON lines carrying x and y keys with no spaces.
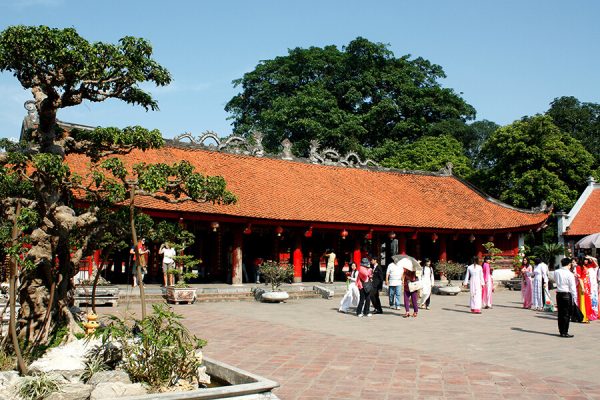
{"x":481,"y":284}
{"x":367,"y":280}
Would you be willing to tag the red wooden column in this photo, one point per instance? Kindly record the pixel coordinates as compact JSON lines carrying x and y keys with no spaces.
{"x":443,"y":246}
{"x":478,"y":248}
{"x":356,"y":255}
{"x":402,"y":244}
{"x":297,"y":259}
{"x":236,"y":257}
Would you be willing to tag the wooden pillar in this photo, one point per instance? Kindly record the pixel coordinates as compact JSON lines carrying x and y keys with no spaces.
{"x":356,"y":255}
{"x":236,"y":257}
{"x":478,"y":248}
{"x":297,"y":259}
{"x":417,"y":246}
{"x":402,"y":244}
{"x":443,"y":253}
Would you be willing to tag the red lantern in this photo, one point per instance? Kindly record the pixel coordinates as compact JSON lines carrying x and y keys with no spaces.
{"x":490,"y":238}
{"x":369,"y":235}
{"x":308,"y":233}
{"x":434,"y":237}
{"x":509,"y":235}
{"x":214,"y":226}
{"x":279,"y":230}
{"x":392,"y":235}
{"x":344,"y":234}
{"x":248,"y":229}
{"x":415,"y":235}
{"x":455,"y":236}
{"x":472,"y":238}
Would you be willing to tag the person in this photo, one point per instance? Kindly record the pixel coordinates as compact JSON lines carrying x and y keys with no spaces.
{"x":168,"y":262}
{"x":410,"y":275}
{"x":566,"y":292}
{"x":377,"y":286}
{"x":474,"y":277}
{"x":330,"y":266}
{"x":364,"y":285}
{"x":526,"y":283}
{"x":539,"y":281}
{"x":488,"y":282}
{"x":428,"y":280}
{"x":593,"y":275}
{"x":393,"y":280}
{"x":352,"y":295}
{"x":584,"y":300}
{"x":142,"y":262}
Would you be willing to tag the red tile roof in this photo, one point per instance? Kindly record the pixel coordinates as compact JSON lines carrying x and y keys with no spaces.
{"x":276,"y":189}
{"x":587,"y":220}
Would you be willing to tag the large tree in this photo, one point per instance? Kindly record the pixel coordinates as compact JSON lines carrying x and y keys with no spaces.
{"x":62,"y":69}
{"x":581,"y":120}
{"x":350,"y":99}
{"x":532,"y":160}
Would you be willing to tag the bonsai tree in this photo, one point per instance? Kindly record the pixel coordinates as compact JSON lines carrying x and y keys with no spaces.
{"x":493,"y":252}
{"x":276,"y":274}
{"x":449,"y":269}
{"x":181,"y":239}
{"x":548,"y":252}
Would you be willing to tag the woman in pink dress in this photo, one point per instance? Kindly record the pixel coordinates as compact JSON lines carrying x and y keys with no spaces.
{"x":488,"y":282}
{"x":526,"y":283}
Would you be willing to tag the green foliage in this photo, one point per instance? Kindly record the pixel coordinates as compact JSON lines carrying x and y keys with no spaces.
{"x":548,"y":252}
{"x":73,"y":69}
{"x":428,"y":153}
{"x":275,"y":273}
{"x":350,"y":99}
{"x":492,"y":251}
{"x":180,"y":239}
{"x":38,"y":387}
{"x":532,"y":160}
{"x":158,"y":351}
{"x":580,"y":120}
{"x":93,"y":363}
{"x":7,"y":361}
{"x":451,"y":270}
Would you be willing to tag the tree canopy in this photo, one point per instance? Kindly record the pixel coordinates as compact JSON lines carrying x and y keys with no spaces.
{"x":351,"y":99}
{"x":532,"y":160}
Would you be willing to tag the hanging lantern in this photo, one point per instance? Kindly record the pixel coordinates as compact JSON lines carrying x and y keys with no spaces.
{"x":308,"y":233}
{"x":415,"y":235}
{"x":344,"y":234}
{"x":392,"y":235}
{"x":369,"y":235}
{"x":509,"y":235}
{"x":248,"y":229}
{"x":491,"y":238}
{"x":472,"y":238}
{"x":455,"y":236}
{"x":214,"y":225}
{"x":434,"y":237}
{"x":279,"y":230}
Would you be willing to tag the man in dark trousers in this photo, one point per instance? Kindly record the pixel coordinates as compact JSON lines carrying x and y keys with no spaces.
{"x":566,"y":291}
{"x":377,"y":286}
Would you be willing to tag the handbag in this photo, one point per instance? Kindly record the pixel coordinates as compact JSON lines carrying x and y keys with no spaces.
{"x":367,"y":286}
{"x":414,"y":286}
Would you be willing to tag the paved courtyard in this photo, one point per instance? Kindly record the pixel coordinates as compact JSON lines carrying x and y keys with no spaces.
{"x":314,"y":352}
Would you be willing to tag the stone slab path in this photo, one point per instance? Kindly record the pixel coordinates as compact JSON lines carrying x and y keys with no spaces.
{"x":315,"y":352}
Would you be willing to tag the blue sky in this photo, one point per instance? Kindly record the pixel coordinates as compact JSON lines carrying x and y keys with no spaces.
{"x":509,"y":58}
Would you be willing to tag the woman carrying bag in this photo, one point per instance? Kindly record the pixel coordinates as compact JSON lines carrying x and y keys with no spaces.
{"x":365,"y":285}
{"x":412,"y":285}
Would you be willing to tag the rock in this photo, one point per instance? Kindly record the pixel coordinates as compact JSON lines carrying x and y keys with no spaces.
{"x":203,"y":377}
{"x":7,"y":378}
{"x":109,"y":376}
{"x":274,"y":297}
{"x":109,"y":390}
{"x":72,"y":391}
{"x":67,"y":359}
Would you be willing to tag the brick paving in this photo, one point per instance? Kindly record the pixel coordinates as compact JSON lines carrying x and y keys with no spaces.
{"x":314,"y":352}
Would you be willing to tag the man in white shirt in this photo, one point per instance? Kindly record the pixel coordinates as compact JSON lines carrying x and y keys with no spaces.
{"x":566,"y":292}
{"x":168,"y":263}
{"x":393,"y":280}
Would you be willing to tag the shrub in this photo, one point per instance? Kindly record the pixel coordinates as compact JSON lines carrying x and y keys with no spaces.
{"x":38,"y":387}
{"x":276,"y":273}
{"x":158,"y":350}
{"x":449,"y":269}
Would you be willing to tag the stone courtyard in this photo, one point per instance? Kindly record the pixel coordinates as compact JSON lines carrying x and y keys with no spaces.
{"x":315,"y":352}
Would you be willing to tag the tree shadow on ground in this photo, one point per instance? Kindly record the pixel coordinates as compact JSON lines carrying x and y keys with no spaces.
{"x":536,"y":332}
{"x":460,"y":311}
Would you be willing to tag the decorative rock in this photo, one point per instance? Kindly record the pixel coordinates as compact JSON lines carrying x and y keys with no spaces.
{"x":274,"y":297}
{"x":106,"y":390}
{"x":72,"y":391}
{"x":7,"y":378}
{"x":109,"y":376}
{"x":67,"y":359}
{"x":203,"y":377}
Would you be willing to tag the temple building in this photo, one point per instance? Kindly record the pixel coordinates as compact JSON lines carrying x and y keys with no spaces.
{"x":583,"y":219}
{"x":293,"y":209}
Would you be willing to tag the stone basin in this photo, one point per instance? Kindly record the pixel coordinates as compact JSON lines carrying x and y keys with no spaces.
{"x":242,"y":385}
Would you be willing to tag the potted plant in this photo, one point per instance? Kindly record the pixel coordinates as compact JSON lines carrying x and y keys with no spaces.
{"x":275,"y":274}
{"x":451,"y":270}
